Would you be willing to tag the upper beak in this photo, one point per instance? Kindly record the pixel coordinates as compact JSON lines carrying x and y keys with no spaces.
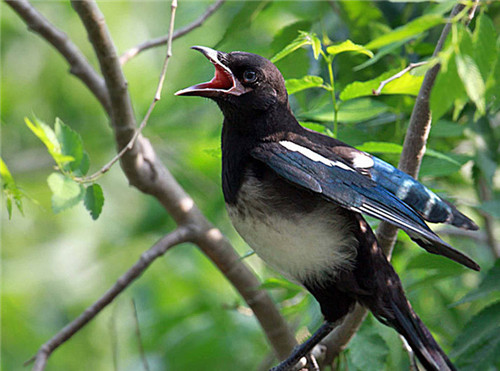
{"x":223,"y":82}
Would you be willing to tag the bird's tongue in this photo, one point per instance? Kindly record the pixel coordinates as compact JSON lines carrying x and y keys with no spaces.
{"x":222,"y":80}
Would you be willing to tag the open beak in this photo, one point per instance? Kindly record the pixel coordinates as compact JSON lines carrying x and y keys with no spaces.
{"x":223,"y":81}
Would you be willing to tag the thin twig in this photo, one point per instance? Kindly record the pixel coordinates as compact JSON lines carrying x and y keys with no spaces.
{"x":178,"y":236}
{"x":79,"y":66}
{"x":147,"y":173}
{"x":410,"y":67}
{"x":145,"y":120}
{"x":139,"y":337}
{"x":132,"y":52}
{"x":410,"y":160}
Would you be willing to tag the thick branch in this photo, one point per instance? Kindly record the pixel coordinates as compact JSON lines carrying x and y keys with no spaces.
{"x":79,"y":66}
{"x":178,"y":236}
{"x":145,"y":171}
{"x":132,"y":52}
{"x":410,"y":161}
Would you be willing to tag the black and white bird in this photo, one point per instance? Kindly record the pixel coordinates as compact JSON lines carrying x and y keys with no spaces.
{"x":297,"y":198}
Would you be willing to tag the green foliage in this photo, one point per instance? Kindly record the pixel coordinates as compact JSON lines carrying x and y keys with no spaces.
{"x":415,"y":27}
{"x":10,"y":190}
{"x":348,"y":46}
{"x":66,"y":148}
{"x":94,"y":200}
{"x":368,"y":351}
{"x":478,"y":346}
{"x":52,"y":273}
{"x":295,"y":85}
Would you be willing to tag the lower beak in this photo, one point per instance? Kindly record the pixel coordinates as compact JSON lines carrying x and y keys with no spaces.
{"x":223,"y":82}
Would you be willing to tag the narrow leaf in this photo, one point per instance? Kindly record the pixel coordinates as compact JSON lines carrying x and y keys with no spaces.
{"x":301,"y":40}
{"x":348,"y":46}
{"x":94,"y":200}
{"x":295,"y":85}
{"x":65,"y":192}
{"x":472,"y":80}
{"x":412,"y":28}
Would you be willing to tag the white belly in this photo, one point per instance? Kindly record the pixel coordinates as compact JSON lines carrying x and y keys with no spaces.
{"x":299,"y":246}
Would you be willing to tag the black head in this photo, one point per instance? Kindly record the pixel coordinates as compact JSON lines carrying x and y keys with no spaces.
{"x":244,"y":83}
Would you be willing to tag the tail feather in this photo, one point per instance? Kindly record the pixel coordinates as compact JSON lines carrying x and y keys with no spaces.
{"x":429,"y":353}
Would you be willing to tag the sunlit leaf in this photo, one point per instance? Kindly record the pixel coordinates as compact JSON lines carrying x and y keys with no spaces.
{"x":10,"y":190}
{"x":348,"y":46}
{"x":94,"y":200}
{"x":70,"y":143}
{"x":412,"y":28}
{"x":484,"y":44}
{"x":49,"y":138}
{"x":295,"y":85}
{"x":301,"y":40}
{"x":406,"y":84}
{"x":473,"y":82}
{"x":380,"y":147}
{"x":65,"y":192}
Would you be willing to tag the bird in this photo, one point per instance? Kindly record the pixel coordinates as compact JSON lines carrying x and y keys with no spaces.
{"x":298,"y":197}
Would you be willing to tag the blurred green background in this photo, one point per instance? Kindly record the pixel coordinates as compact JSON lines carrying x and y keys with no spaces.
{"x":190,"y":318}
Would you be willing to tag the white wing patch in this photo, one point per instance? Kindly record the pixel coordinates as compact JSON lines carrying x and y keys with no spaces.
{"x":362,"y":161}
{"x":313,"y":155}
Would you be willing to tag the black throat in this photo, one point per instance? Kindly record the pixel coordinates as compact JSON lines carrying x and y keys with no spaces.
{"x":241,"y":132}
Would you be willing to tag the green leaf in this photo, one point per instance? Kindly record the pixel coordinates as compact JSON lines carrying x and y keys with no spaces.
{"x":412,"y":28}
{"x":368,"y":351}
{"x":380,"y":147}
{"x":435,"y":166}
{"x":304,"y":38}
{"x":348,"y":46}
{"x":478,"y":345}
{"x":316,"y":45}
{"x":406,"y":84}
{"x":70,"y":143}
{"x":94,"y":200}
{"x":490,"y":284}
{"x":446,"y":129}
{"x":355,"y":110}
{"x":484,"y":44}
{"x":491,"y":207}
{"x":446,"y":90}
{"x":473,"y":82}
{"x":388,"y":148}
{"x":389,"y":49}
{"x":49,"y":138}
{"x":10,"y":189}
{"x":65,"y":192}
{"x":295,"y":85}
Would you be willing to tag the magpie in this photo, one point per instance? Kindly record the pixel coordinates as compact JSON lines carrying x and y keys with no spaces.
{"x":297,"y":198}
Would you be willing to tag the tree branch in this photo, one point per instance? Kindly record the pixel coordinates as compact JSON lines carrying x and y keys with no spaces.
{"x":132,"y":52}
{"x":177,"y":237}
{"x":410,"y":161}
{"x":79,"y":66}
{"x":410,"y":67}
{"x":145,"y":171}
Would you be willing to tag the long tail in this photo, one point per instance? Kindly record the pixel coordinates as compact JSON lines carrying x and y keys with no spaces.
{"x":427,"y":350}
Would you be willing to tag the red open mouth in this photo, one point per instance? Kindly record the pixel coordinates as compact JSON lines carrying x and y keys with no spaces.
{"x":222,"y":83}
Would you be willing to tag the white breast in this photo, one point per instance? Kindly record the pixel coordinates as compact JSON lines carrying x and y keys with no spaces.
{"x":299,"y":245}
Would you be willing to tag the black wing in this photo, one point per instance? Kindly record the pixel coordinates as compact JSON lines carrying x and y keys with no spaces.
{"x":343,"y":184}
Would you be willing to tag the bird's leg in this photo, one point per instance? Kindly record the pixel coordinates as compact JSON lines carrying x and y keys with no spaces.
{"x":303,"y":349}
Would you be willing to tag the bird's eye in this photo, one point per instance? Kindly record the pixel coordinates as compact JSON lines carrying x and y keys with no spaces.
{"x":249,"y":76}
